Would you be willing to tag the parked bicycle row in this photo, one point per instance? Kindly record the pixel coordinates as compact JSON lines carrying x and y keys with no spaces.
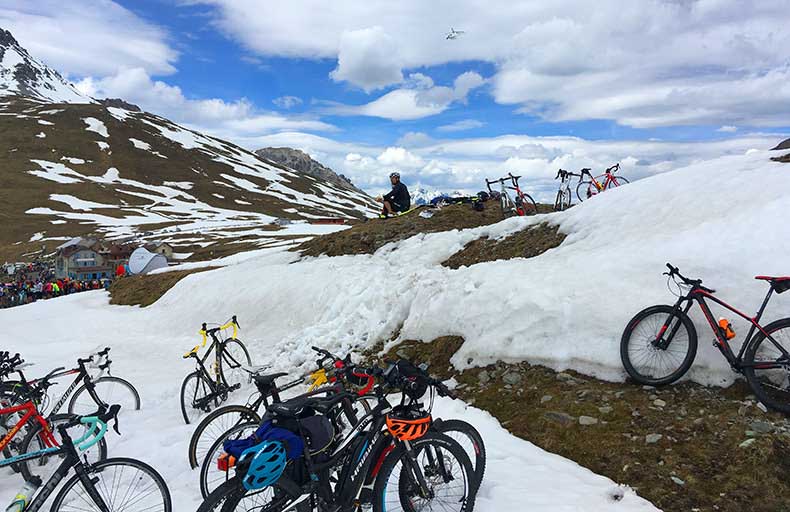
{"x":342,"y":445}
{"x":42,"y":444}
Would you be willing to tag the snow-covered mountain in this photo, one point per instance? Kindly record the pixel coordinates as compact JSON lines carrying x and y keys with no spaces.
{"x":21,"y":74}
{"x":72,"y":166}
{"x":423,"y":195}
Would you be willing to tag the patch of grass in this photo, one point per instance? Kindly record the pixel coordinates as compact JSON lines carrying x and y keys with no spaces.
{"x":702,"y":430}
{"x":527,"y":243}
{"x":144,"y":290}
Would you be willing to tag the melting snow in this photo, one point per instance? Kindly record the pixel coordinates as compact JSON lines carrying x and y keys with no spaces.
{"x":95,"y":125}
{"x":41,"y":135}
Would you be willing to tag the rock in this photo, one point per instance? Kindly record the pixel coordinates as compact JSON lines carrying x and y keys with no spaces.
{"x":750,"y":433}
{"x":587,"y":420}
{"x":546,"y":398}
{"x":653,"y":438}
{"x":564,"y":376}
{"x":659,"y":403}
{"x":698,"y":421}
{"x":635,"y":414}
{"x":742,"y":410}
{"x":677,"y":480}
{"x":484,"y":377}
{"x":559,"y":417}
{"x":762,"y":427}
{"x":648,"y":388}
{"x":605,"y":409}
{"x":652,"y":397}
{"x":619,"y":394}
{"x":512,"y":378}
{"x":746,"y":443}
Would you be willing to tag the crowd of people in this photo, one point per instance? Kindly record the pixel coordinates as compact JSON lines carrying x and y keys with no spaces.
{"x":37,"y":281}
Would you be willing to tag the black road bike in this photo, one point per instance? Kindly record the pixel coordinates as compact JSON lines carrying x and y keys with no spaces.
{"x":659,"y":344}
{"x":201,"y":391}
{"x":90,"y":393}
{"x":110,"y":485}
{"x":416,"y":469}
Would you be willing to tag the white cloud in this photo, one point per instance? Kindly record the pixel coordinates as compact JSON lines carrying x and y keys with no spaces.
{"x":234,"y":120}
{"x":287,"y":102}
{"x":659,"y":63}
{"x":728,"y":129}
{"x":462,"y":125}
{"x":87,"y":37}
{"x":419,"y":98}
{"x":400,"y":157}
{"x":368,"y":58}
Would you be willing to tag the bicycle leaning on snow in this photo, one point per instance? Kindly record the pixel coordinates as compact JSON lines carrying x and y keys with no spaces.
{"x":200,"y":391}
{"x":598,"y":184}
{"x":659,"y":344}
{"x":564,"y":199}
{"x":521,"y":204}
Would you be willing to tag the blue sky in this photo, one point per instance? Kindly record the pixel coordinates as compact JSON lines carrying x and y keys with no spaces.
{"x":367,"y":87}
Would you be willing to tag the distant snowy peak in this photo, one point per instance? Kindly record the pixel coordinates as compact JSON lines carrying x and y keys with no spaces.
{"x":422,"y":195}
{"x":21,"y":74}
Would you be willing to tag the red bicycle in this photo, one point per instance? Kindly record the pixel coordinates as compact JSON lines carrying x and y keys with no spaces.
{"x":597,"y":184}
{"x":521,"y":205}
{"x":660,"y":342}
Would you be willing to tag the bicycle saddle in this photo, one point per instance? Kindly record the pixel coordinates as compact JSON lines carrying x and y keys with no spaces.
{"x":778,"y":283}
{"x":266,"y":381}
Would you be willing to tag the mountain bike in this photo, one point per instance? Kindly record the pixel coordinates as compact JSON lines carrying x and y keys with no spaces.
{"x":421,"y":468}
{"x":598,"y":184}
{"x":522,"y":203}
{"x":564,"y":200}
{"x":200,"y":391}
{"x":111,"y":485}
{"x":659,"y":344}
{"x":221,"y":420}
{"x":89,"y":390}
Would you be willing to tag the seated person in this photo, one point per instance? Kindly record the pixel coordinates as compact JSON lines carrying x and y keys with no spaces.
{"x":396,"y":200}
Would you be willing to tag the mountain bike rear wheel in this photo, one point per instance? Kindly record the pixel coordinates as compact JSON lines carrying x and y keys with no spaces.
{"x":231,"y":496}
{"x":649,"y":364}
{"x":194,"y":391}
{"x":125,"y":485}
{"x":234,"y":356}
{"x":213,"y":426}
{"x":111,"y":390}
{"x":441,"y":463}
{"x":767,"y":369}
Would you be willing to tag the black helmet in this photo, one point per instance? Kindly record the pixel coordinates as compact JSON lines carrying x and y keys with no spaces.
{"x":395,"y":174}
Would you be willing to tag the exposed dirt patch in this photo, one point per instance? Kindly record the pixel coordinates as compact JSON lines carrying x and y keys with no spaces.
{"x":642,"y":437}
{"x":368,"y":237}
{"x":144,"y":290}
{"x":783,"y":158}
{"x":527,"y":243}
{"x":785,"y":144}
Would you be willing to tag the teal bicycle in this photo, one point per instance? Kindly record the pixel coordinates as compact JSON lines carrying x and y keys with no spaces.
{"x":111,"y":485}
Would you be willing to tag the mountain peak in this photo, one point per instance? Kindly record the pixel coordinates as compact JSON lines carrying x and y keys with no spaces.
{"x":300,"y":161}
{"x":22,"y":75}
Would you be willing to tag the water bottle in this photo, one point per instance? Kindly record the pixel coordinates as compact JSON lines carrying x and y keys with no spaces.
{"x":23,"y":498}
{"x":726,"y":328}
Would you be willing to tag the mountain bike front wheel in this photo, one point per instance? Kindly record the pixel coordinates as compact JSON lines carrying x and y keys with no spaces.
{"x":111,"y":390}
{"x":123,"y":484}
{"x":767,"y":366}
{"x":650,"y":364}
{"x":435,"y":462}
{"x":231,"y":496}
{"x":472,"y":442}
{"x":213,"y":426}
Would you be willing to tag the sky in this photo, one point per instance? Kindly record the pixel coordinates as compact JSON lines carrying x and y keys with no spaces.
{"x":375,"y":86}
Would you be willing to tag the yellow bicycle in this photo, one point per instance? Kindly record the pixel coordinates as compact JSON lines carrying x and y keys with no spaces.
{"x":205,"y":388}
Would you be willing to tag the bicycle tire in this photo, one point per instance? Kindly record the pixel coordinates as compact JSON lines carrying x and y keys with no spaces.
{"x":229,"y":359}
{"x":95,"y":471}
{"x":618,"y":181}
{"x":208,"y":464}
{"x":583,"y":188}
{"x":558,"y":202}
{"x":528,"y":205}
{"x":626,"y":343}
{"x":230,"y":494}
{"x":132,"y":400}
{"x":468,"y":433}
{"x":201,"y":384}
{"x":507,"y":207}
{"x":434,"y":441}
{"x":31,"y":468}
{"x":756,"y":382}
{"x":566,"y":199}
{"x":217,"y":422}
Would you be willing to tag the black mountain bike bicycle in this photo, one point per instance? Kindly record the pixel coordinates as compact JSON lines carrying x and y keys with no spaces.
{"x":98,"y":392}
{"x":200,"y":391}
{"x":418,"y":469}
{"x":219,"y":421}
{"x":659,"y":344}
{"x":110,"y":485}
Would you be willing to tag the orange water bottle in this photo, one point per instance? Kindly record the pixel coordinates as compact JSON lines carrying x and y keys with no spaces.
{"x":726,"y":328}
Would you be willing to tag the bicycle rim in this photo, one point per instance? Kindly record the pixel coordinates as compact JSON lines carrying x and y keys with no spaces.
{"x":234,"y":356}
{"x":125,"y":485}
{"x":110,"y":390}
{"x":652,"y":362}
{"x":770,"y":375}
{"x":215,"y":426}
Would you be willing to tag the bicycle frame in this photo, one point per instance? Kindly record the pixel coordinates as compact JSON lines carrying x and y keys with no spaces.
{"x":30,"y":412}
{"x":698,"y":294}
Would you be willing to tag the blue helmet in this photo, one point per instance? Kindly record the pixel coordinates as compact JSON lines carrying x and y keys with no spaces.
{"x":267,"y":464}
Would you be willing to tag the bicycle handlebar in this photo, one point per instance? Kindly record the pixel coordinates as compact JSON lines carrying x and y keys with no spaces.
{"x":613,"y":168}
{"x":674,"y":271}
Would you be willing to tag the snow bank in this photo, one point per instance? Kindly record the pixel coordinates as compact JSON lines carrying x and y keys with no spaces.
{"x":723,"y":221}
